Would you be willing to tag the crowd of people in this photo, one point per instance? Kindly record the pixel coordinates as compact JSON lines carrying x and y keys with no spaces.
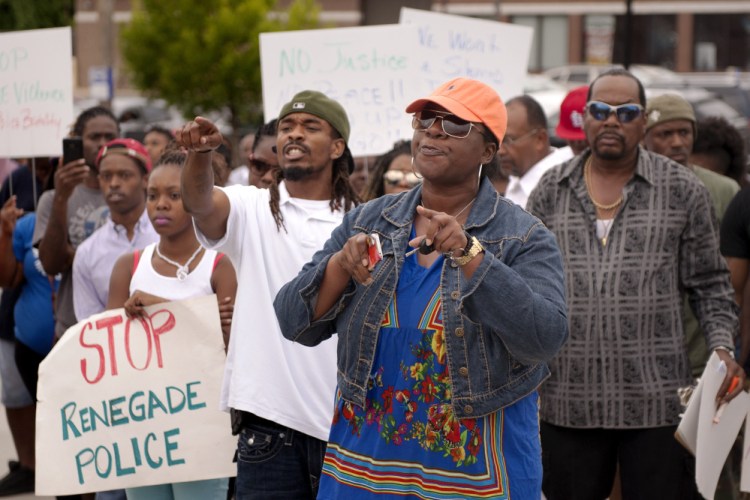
{"x":478,"y":314}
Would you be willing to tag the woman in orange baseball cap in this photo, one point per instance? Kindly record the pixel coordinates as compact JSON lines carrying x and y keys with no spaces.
{"x":444,"y":333}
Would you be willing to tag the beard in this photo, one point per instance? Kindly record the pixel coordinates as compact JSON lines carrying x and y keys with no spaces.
{"x":608,"y":152}
{"x":298,"y":173}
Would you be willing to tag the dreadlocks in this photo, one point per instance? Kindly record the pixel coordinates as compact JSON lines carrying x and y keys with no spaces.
{"x":342,"y":194}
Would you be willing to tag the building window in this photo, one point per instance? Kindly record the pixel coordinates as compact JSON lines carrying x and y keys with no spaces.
{"x":549,"y":47}
{"x":654,"y":40}
{"x":721,"y":41}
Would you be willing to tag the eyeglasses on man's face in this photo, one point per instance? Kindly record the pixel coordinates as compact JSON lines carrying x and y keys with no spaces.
{"x":451,"y":124}
{"x":625,"y":113}
{"x":396,"y":177}
{"x":510,"y":141}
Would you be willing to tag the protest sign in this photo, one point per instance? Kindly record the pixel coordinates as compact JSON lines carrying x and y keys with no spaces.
{"x":36,"y":91}
{"x":370,"y":71}
{"x":454,"y":46}
{"x":133,"y":402}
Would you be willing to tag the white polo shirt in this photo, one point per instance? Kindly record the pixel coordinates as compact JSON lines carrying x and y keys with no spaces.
{"x":266,"y":374}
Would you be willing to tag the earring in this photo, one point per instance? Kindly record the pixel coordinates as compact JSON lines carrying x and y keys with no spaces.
{"x":420,"y":177}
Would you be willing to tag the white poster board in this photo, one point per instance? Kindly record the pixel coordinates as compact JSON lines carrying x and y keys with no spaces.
{"x":456,"y":46}
{"x":371,"y":71}
{"x":36,"y":91}
{"x":125,"y":403}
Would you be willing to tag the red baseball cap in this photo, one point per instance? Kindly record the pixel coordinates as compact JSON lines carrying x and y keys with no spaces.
{"x":572,"y":109}
{"x":471,"y":100}
{"x":128,"y":147}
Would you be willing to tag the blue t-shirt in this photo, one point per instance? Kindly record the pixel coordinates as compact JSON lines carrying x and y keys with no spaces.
{"x":35,"y":319}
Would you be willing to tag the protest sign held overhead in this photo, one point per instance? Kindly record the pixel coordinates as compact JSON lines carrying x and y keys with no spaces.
{"x":370,"y":71}
{"x":36,"y":91}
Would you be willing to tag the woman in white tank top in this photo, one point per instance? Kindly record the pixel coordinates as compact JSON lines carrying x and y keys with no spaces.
{"x":175,"y":268}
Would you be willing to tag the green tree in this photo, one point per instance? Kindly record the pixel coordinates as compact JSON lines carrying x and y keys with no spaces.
{"x":27,"y":14}
{"x":204,"y":56}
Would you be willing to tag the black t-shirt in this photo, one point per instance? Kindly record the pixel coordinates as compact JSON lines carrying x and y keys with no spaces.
{"x":735,"y":227}
{"x":22,"y":188}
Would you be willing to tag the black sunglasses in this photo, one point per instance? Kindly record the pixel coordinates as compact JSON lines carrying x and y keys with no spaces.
{"x":625,"y":112}
{"x":260,"y":167}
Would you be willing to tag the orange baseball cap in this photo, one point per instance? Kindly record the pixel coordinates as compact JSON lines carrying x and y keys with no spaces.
{"x":572,"y":110}
{"x":471,"y":100}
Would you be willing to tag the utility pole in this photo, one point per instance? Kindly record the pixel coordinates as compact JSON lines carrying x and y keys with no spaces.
{"x":106,"y":8}
{"x":627,"y":49}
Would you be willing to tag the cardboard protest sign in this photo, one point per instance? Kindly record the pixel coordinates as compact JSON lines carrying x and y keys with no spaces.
{"x":370,"y":71}
{"x":133,"y":402}
{"x":489,"y":51}
{"x":36,"y":91}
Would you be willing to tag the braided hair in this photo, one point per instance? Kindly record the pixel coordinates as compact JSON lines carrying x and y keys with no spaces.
{"x":342,"y":194}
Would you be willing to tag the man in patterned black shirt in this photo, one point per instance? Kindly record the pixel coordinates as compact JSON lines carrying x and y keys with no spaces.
{"x":635,"y":230}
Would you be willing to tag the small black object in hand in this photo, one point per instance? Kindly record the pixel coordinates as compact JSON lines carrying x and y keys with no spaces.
{"x":426,"y":249}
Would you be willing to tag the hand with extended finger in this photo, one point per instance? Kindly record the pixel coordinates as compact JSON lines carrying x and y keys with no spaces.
{"x":353,"y":259}
{"x":200,"y":135}
{"x":444,"y":234}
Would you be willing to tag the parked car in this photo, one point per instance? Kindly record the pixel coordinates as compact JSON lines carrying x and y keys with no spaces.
{"x":731,"y":87}
{"x":575,"y":75}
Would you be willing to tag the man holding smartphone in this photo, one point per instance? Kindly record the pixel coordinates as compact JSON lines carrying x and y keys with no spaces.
{"x":72,"y":211}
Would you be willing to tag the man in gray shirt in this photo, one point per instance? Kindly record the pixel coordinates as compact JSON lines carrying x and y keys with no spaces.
{"x":72,"y":211}
{"x":635,"y":230}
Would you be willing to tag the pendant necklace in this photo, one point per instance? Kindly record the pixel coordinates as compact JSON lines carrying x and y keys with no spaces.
{"x":182,"y":269}
{"x":460,"y":211}
{"x":603,"y":209}
{"x":607,"y":225}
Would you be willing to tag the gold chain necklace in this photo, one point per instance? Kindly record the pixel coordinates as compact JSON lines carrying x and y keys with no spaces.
{"x":590,"y":190}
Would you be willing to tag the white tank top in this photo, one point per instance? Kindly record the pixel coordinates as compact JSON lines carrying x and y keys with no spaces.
{"x":197,"y":283}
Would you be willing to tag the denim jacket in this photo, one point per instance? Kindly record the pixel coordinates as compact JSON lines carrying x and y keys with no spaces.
{"x":501,"y":326}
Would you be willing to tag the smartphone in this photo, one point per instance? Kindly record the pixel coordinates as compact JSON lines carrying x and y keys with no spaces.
{"x":374,"y":250}
{"x":72,"y":149}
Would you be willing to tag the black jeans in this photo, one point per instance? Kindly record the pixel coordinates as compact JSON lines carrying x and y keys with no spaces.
{"x":275,"y":462}
{"x":580,"y":464}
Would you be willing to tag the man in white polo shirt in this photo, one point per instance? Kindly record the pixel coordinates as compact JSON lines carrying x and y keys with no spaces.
{"x":282,"y":413}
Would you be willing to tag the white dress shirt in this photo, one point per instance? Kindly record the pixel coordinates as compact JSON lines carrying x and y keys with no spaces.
{"x":519,"y":188}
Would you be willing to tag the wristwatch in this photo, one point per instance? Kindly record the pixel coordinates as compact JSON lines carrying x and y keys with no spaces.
{"x":726,"y":349}
{"x":473,"y":248}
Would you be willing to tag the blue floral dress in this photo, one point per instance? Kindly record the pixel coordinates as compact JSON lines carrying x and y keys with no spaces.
{"x":406,"y":441}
